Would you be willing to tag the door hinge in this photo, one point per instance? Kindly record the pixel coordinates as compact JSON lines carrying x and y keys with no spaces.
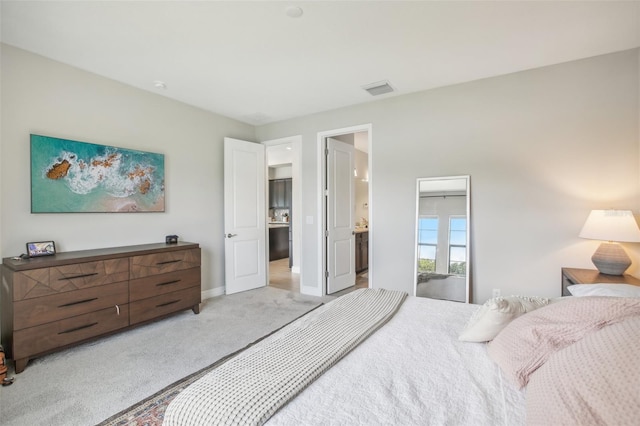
{"x":326,"y":274}
{"x":326,"y":152}
{"x":326,"y":232}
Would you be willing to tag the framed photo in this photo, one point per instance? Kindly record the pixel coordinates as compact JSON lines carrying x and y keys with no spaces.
{"x":41,"y":248}
{"x":79,"y":177}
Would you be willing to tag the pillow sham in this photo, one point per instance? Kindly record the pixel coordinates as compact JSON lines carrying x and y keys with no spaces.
{"x":594,"y":381}
{"x":618,"y":290}
{"x":528,"y":341}
{"x":494,"y":315}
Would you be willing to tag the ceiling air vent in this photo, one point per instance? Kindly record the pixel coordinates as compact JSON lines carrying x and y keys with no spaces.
{"x":379,"y":88}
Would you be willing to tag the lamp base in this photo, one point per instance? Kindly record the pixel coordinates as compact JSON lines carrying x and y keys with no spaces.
{"x":611,"y":259}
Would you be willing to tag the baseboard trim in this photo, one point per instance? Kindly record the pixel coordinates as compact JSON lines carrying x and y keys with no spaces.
{"x":311,"y":291}
{"x":214,"y":292}
{"x":295,"y":269}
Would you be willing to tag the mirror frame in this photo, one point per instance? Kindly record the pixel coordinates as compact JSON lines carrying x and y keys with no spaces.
{"x":467,"y":178}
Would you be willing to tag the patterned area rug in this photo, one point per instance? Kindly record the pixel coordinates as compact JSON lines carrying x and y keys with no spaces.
{"x":150,"y":412}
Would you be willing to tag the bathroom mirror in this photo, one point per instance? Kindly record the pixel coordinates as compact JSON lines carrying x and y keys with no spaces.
{"x":442,"y":238}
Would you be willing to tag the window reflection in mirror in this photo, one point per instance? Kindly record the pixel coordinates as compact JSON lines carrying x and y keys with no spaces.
{"x":442,"y":238}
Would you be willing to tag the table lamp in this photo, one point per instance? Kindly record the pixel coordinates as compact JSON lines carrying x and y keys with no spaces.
{"x":612,"y":226}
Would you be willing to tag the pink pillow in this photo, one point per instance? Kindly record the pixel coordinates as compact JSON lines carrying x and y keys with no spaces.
{"x":595,"y":381}
{"x":528,"y":341}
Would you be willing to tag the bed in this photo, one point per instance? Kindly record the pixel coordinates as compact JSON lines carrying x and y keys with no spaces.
{"x":412,"y":371}
{"x":413,"y":368}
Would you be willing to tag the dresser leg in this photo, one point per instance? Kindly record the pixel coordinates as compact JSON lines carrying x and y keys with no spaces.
{"x":21,"y":364}
{"x":196,"y":309}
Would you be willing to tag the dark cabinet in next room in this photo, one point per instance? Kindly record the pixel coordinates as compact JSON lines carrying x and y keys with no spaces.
{"x":362,"y":251}
{"x":280,"y":193}
{"x":278,"y":242}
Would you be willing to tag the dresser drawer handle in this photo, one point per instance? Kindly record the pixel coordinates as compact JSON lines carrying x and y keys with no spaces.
{"x":77,"y":276}
{"x":167,"y":304}
{"x":167,"y":283}
{"x":168,"y":261}
{"x":82,"y":327}
{"x":78,"y":302}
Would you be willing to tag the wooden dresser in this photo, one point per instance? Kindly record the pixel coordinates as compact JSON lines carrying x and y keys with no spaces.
{"x":56,"y":301}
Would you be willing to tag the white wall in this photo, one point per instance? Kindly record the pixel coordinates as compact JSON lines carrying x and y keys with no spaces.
{"x":50,"y":98}
{"x":542,"y":147}
{"x":283,"y":172}
{"x":2,"y":187}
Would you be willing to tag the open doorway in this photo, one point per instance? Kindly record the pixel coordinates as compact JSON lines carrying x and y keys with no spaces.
{"x":345,"y":209}
{"x":283,"y":199}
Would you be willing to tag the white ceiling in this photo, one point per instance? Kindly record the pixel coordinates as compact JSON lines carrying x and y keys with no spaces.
{"x":251,"y":62}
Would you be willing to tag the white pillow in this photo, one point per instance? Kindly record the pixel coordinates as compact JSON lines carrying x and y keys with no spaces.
{"x":618,"y":290}
{"x":496,"y":313}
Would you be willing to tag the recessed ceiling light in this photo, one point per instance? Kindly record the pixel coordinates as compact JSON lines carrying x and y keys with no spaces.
{"x":158,"y":84}
{"x":293,"y":11}
{"x":288,"y":148}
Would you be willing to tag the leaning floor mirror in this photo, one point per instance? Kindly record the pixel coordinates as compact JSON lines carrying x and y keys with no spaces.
{"x":442,"y":238}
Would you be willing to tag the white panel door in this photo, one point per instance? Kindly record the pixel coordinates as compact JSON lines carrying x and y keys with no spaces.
{"x":244,"y":215}
{"x":341,"y":241}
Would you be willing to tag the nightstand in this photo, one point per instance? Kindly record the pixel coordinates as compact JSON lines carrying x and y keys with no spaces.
{"x":571,"y":276}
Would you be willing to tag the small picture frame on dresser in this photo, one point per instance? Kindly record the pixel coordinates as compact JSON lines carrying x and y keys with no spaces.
{"x":41,"y":248}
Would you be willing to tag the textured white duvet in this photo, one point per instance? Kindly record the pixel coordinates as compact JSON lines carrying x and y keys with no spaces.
{"x":413,"y":371}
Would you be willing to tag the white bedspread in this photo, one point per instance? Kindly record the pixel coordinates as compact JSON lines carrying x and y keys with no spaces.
{"x":249,"y":388}
{"x":413,"y":371}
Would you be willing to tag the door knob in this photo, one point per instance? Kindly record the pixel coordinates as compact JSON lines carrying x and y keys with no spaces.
{"x":231,"y":235}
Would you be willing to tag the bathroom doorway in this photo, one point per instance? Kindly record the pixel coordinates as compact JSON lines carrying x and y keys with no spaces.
{"x":345,"y":211}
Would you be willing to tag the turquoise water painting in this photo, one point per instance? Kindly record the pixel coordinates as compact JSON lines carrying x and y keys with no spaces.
{"x":78,"y":177}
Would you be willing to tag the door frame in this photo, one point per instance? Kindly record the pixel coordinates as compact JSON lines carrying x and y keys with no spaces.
{"x":322,"y":204}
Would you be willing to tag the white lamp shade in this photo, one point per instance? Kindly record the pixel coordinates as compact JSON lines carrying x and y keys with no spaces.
{"x":611,"y":225}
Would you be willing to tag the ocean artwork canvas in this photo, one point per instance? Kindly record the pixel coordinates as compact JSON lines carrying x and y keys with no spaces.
{"x":79,"y":177}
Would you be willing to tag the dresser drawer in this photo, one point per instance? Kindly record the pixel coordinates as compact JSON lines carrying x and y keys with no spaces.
{"x":32,"y":283}
{"x":143,"y":310}
{"x":89,"y":274}
{"x":161,"y":263}
{"x":42,"y":310}
{"x":60,"y":279}
{"x":154,"y":285}
{"x":45,"y":337}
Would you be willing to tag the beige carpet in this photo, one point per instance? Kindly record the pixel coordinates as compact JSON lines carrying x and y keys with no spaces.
{"x":89,"y":383}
